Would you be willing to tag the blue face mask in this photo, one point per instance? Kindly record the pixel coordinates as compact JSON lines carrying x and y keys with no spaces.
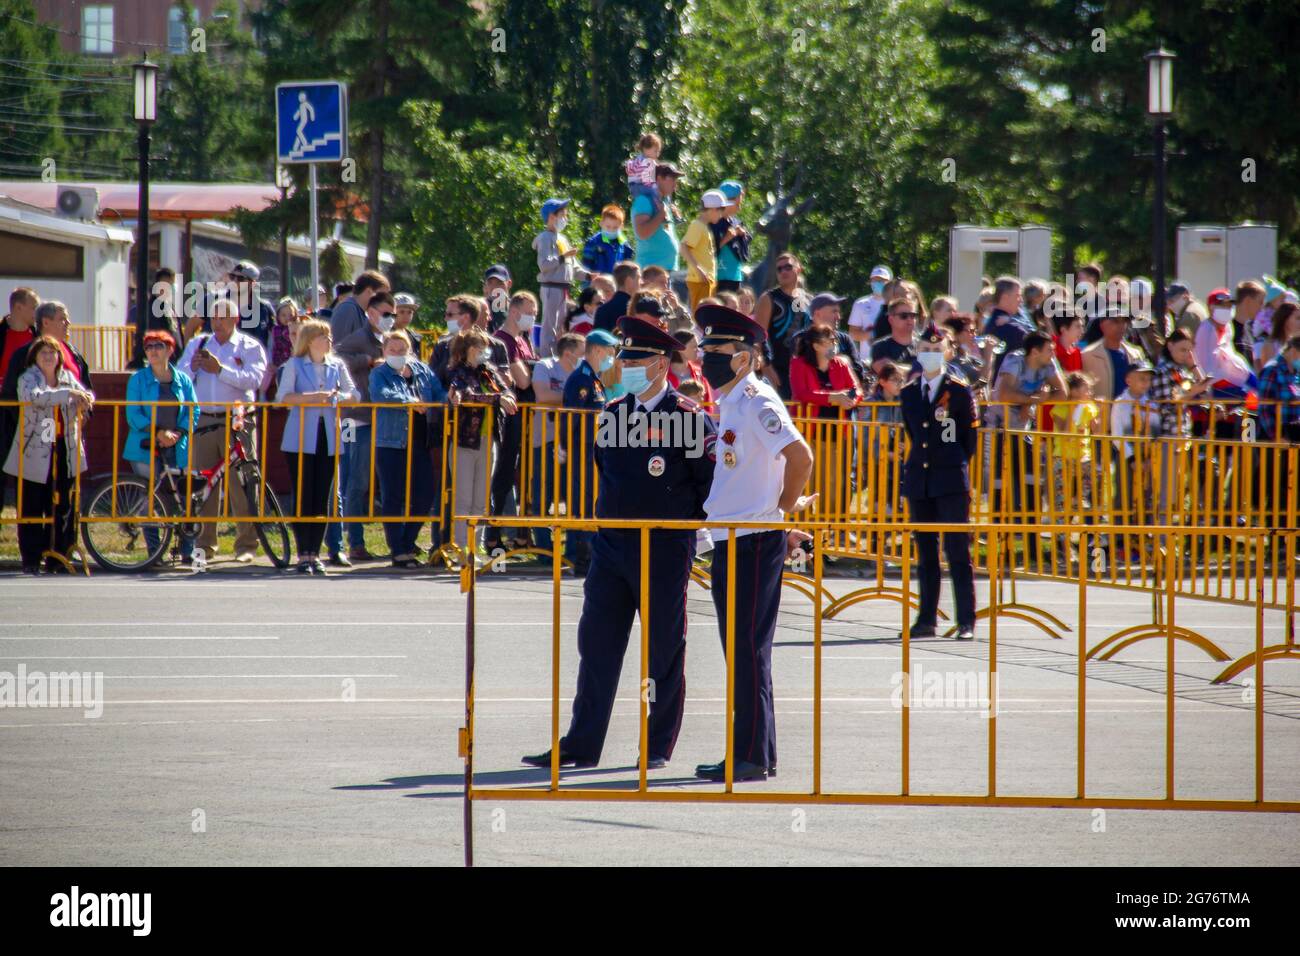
{"x":606,"y":364}
{"x":877,"y":287}
{"x":635,"y":379}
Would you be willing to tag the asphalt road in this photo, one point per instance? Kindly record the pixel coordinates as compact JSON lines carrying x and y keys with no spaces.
{"x":255,"y":719}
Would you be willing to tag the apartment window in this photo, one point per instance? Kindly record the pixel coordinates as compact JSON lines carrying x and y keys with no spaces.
{"x":97,"y":29}
{"x":177,"y":36}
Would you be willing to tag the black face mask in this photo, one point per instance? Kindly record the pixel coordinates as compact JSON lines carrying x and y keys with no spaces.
{"x":716,"y":367}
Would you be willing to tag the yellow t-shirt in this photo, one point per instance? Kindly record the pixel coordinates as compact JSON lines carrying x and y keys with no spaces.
{"x":1074,"y":420}
{"x":700,"y":241}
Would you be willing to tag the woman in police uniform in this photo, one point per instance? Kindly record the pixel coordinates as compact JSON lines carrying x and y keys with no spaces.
{"x":941,"y":418}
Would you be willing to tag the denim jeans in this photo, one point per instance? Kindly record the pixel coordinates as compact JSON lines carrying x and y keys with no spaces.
{"x":141,"y":468}
{"x":356,"y":500}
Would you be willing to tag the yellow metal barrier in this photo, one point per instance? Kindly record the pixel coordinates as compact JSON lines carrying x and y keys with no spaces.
{"x":905,"y":794}
{"x":107,"y":348}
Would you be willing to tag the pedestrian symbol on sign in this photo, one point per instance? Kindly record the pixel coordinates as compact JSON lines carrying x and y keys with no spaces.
{"x":304,"y":115}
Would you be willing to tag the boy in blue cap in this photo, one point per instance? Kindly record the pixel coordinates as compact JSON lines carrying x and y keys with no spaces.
{"x":555,"y":271}
{"x":731,"y":239}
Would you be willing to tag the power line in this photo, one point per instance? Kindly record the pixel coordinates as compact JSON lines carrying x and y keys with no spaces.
{"x":67,"y":129}
{"x":56,"y":76}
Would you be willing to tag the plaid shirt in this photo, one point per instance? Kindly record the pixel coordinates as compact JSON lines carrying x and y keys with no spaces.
{"x":1280,"y":384}
{"x":1166,"y":390}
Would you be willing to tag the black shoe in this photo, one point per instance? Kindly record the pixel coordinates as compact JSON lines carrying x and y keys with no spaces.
{"x":304,"y":567}
{"x":33,"y":569}
{"x":543,"y":760}
{"x":339,"y":559}
{"x":580,"y":568}
{"x":406,"y":562}
{"x":771,"y":771}
{"x":966,"y":632}
{"x":656,"y":763}
{"x":361,"y":554}
{"x":920,"y":630}
{"x":55,"y":568}
{"x":742,"y":770}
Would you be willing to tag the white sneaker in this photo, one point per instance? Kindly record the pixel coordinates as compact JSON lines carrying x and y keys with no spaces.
{"x":244,"y":557}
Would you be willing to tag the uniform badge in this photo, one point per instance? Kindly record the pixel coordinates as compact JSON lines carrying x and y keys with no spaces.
{"x":940,"y":413}
{"x":582,"y":393}
{"x":655,"y":466}
{"x":729,"y":458}
{"x":751,"y":391}
{"x":728,"y":437}
{"x":770,"y":420}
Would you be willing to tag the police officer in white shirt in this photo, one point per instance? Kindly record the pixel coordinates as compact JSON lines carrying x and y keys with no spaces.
{"x":762,"y":466}
{"x":227,"y":367}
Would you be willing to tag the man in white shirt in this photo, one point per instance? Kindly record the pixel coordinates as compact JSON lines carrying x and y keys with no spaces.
{"x":866,"y":310}
{"x":227,"y":367}
{"x":762,"y":465}
{"x":1216,"y":354}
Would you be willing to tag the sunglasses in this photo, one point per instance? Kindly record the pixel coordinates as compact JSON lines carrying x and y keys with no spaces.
{"x":785,"y":267}
{"x":905,"y":315}
{"x":150,"y":346}
{"x":390,"y":315}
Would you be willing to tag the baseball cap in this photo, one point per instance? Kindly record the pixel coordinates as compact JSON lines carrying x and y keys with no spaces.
{"x":405,"y":298}
{"x":498,"y":271}
{"x":1176,"y":289}
{"x":668,"y":169}
{"x":882,"y":272}
{"x":823,"y":299}
{"x":1272,"y":288}
{"x":732,"y":189}
{"x":246,"y":270}
{"x":552,"y":206}
{"x":1218,"y":297}
{"x":713,"y":199}
{"x":1141,"y":365}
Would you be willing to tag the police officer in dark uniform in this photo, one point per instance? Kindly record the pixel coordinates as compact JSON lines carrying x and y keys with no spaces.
{"x":941,"y":418}
{"x":583,"y":390}
{"x":656,"y":472}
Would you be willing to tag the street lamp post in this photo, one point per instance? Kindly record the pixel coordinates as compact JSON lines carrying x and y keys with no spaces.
{"x":1160,"y":106}
{"x":145,"y":113}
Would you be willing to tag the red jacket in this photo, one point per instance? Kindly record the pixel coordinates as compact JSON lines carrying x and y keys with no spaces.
{"x":806,"y":386}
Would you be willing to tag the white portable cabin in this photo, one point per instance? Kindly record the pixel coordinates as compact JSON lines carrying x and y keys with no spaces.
{"x":82,"y":264}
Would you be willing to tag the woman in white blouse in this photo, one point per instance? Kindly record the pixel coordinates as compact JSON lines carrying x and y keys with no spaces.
{"x":316,"y":378}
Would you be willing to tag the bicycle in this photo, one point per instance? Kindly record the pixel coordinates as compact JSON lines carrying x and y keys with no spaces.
{"x":131,"y":542}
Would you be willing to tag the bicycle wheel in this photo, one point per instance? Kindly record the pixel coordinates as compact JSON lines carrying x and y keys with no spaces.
{"x":273,"y":534}
{"x":130,"y":541}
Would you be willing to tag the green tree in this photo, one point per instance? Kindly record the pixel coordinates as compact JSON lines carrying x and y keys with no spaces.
{"x":480,"y":207}
{"x":586,"y":74}
{"x":212,"y":105}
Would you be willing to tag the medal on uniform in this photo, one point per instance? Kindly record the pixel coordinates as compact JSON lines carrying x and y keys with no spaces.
{"x":728,"y":437}
{"x":655,"y":466}
{"x":940,"y":413}
{"x":582,"y":393}
{"x":729,"y":458}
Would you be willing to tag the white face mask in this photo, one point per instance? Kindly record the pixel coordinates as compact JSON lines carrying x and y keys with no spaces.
{"x":526,"y":322}
{"x":1221,"y":315}
{"x":561,"y":223}
{"x":397,"y":362}
{"x":386,"y":323}
{"x":930,"y":362}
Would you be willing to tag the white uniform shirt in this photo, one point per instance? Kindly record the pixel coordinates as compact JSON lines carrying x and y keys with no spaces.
{"x":243,"y":363}
{"x":863,"y":316}
{"x":749,"y":471}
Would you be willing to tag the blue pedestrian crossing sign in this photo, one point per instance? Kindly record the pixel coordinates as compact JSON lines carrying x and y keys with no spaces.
{"x":311,"y":121}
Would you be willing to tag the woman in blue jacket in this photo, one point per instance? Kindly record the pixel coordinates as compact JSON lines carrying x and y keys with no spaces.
{"x":404,"y":380}
{"x":160,"y":433}
{"x":316,"y":378}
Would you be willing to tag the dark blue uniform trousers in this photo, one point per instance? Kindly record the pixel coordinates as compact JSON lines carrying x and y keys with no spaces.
{"x":759,"y":560}
{"x":611,"y":596}
{"x":945,"y":509}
